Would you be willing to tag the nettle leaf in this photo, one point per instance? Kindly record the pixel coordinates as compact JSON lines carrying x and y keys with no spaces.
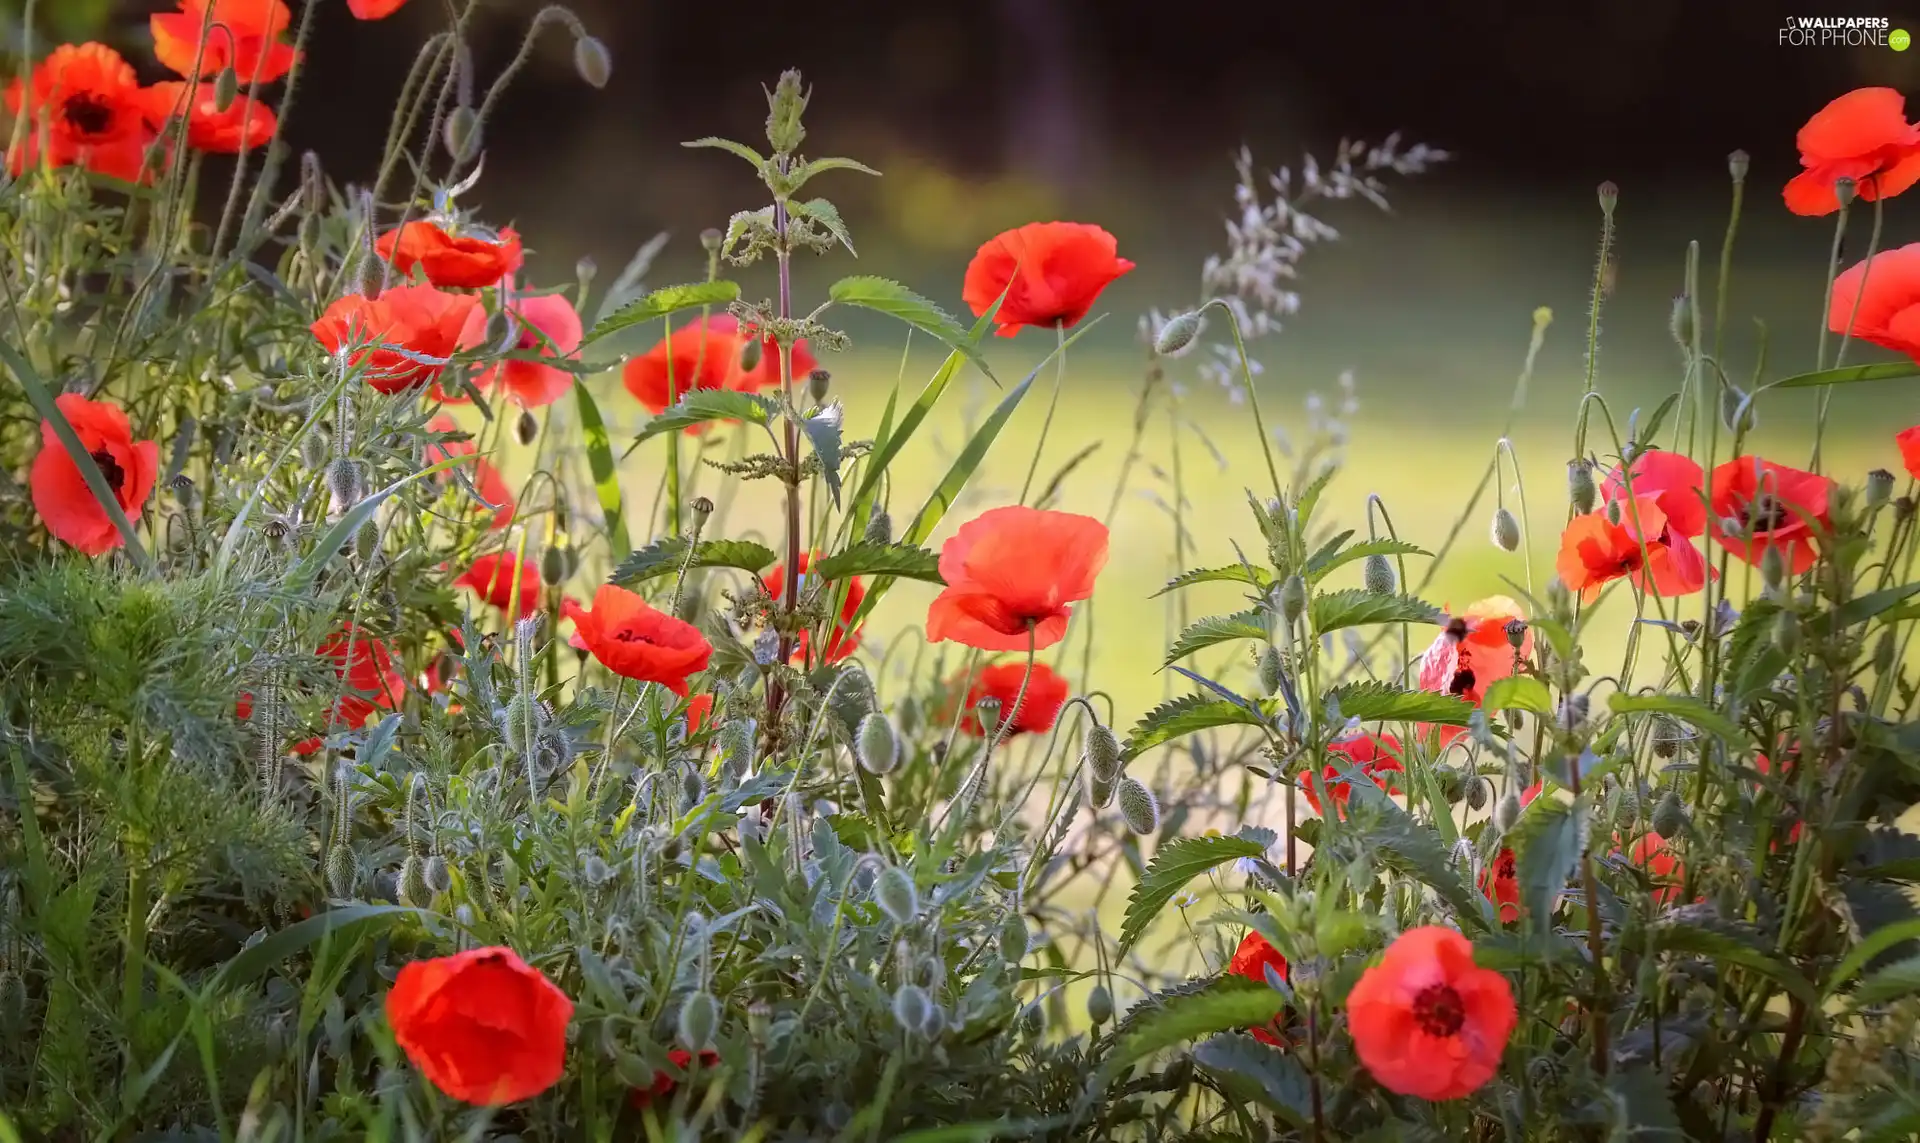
{"x":1177,"y":718}
{"x":1227,"y":1005}
{"x":1325,"y":561}
{"x":1894,"y":982}
{"x":1232,"y":573}
{"x":703,"y":405}
{"x":1375,"y":701}
{"x":662,"y":302}
{"x":731,"y":147}
{"x":1217,"y":629}
{"x":1548,"y":841}
{"x":823,"y":432}
{"x":1259,"y":1072}
{"x":905,"y":561}
{"x":884,"y":295}
{"x":1683,"y":707}
{"x":1519,"y":692}
{"x":666,"y":557}
{"x":828,"y":216}
{"x":1356,"y":607}
{"x":1178,"y":862}
{"x":1642,"y":1108}
{"x":1404,"y":845}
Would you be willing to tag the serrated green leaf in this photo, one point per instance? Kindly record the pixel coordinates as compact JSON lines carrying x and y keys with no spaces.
{"x":1320,"y":566}
{"x":606,"y":478}
{"x":1894,"y":982}
{"x":1356,"y":607}
{"x":1177,"y":718}
{"x":703,"y":405}
{"x":1231,"y":573}
{"x":831,"y":163}
{"x":1261,"y":1072}
{"x":1642,"y":1108}
{"x":1404,"y":845}
{"x":1547,"y":842}
{"x":1227,"y":1005}
{"x":1850,"y":374}
{"x":1872,"y":945}
{"x":662,"y":302}
{"x":1376,"y":701}
{"x":905,"y":561}
{"x":731,"y":147}
{"x":828,"y":216}
{"x":1176,"y":863}
{"x":666,"y":557}
{"x":823,"y":433}
{"x":884,"y":295}
{"x":1682,"y":707}
{"x":1518,"y":692}
{"x":1217,"y":629}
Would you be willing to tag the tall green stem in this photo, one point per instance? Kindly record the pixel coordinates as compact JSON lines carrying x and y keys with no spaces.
{"x":1046,"y":426}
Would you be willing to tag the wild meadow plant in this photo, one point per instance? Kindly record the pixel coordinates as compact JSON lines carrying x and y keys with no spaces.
{"x":335,"y":804}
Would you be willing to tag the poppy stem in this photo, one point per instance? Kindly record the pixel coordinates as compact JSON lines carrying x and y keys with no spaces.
{"x":1840,"y":354}
{"x":1046,"y":426}
{"x":1253,"y":391}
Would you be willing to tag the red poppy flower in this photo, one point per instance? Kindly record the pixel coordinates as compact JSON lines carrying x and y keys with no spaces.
{"x":483,"y":1026}
{"x":1376,"y":757}
{"x":1427,"y":1022}
{"x":244,"y":36}
{"x":1652,"y":854}
{"x":366,"y":665}
{"x":549,"y":326}
{"x":382,"y":332}
{"x":1674,"y":565}
{"x":1595,"y":551}
{"x":1864,"y":136}
{"x":766,"y":373}
{"x":374,"y":9}
{"x":664,"y":1083}
{"x":632,"y":639}
{"x":60,"y":494}
{"x":699,"y":707}
{"x":1251,"y":961}
{"x":1774,"y":503}
{"x":1880,"y":304}
{"x":1047,"y":692}
{"x":1908,"y":441}
{"x":1501,"y":882}
{"x":1473,"y":651}
{"x":487,"y":480}
{"x":245,"y":124}
{"x":1051,"y":273}
{"x":88,"y":104}
{"x":694,"y":357}
{"x":840,"y":642}
{"x":451,"y":261}
{"x":1011,"y":569}
{"x":491,"y":578}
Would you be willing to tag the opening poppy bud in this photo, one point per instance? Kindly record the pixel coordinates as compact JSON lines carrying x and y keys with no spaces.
{"x":1292,"y":597}
{"x":1102,"y":753}
{"x":592,"y":60}
{"x":1478,"y":791}
{"x":437,"y":876}
{"x":879,"y":528}
{"x":1773,"y":567}
{"x":699,"y":1017}
{"x":1014,"y":940}
{"x":1736,"y":410}
{"x":896,"y":896}
{"x":461,"y":133}
{"x":1669,"y":818}
{"x":1737,"y":164}
{"x":1376,"y":575}
{"x":1099,"y":1005}
{"x":1680,"y":322}
{"x":988,"y":711}
{"x":878,"y":747}
{"x":413,"y":882}
{"x":818,"y":382}
{"x":1580,"y":489}
{"x":526,"y":427}
{"x":1138,"y":807}
{"x":1786,"y":632}
{"x":1879,"y":488}
{"x":912,"y":1010}
{"x":1508,"y":811}
{"x":1845,"y":189}
{"x":1506,"y":531}
{"x":1609,"y":194}
{"x":341,"y":874}
{"x":785,"y":105}
{"x":1270,"y":673}
{"x":1177,"y":334}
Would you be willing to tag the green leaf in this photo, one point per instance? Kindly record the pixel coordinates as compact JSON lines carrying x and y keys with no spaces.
{"x":1872,"y":945}
{"x":703,"y":405}
{"x":1642,"y":1107}
{"x":301,"y":579}
{"x":1259,"y":1072}
{"x":1681,"y":707}
{"x":662,"y":302}
{"x":905,"y":561}
{"x":1324,"y":562}
{"x":1894,"y":982}
{"x":823,"y":432}
{"x":1548,"y":841}
{"x":1217,"y":629}
{"x":1176,"y":863}
{"x":1849,"y":374}
{"x":1356,"y":607}
{"x":1177,"y":718}
{"x":1865,"y":607}
{"x":1519,"y":692}
{"x":1406,"y":846}
{"x":831,"y":163}
{"x":983,"y":1131}
{"x":1231,"y":573}
{"x":254,"y":961}
{"x":828,"y":216}
{"x":1651,"y":429}
{"x":731,"y":147}
{"x":606,"y":478}
{"x":1228,"y":1005}
{"x":1674,"y":936}
{"x":1376,"y":701}
{"x":48,"y":407}
{"x":895,"y":439}
{"x":884,"y":295}
{"x":666,"y":557}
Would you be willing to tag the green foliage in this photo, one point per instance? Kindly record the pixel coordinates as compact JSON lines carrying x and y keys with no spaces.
{"x":1178,"y":862}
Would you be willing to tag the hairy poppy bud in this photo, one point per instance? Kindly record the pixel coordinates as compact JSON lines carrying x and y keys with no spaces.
{"x":1669,"y":818}
{"x":699,"y":1018}
{"x":1580,"y":490}
{"x":751,"y":354}
{"x":313,"y":449}
{"x":692,"y":788}
{"x":226,"y":89}
{"x":1615,"y":511}
{"x":1099,"y":793}
{"x":1879,"y":488}
{"x":988,"y":711}
{"x":1667,"y":736}
{"x":1508,"y":811}
{"x":785,"y":105}
{"x":1773,"y":568}
{"x":1014,"y":940}
{"x":1786,"y":632}
{"x":878,"y":748}
{"x":1102,"y":753}
{"x":343,"y":480}
{"x":436,"y":874}
{"x":1270,"y":673}
{"x":1292,"y":597}
{"x":413,"y":882}
{"x":818,"y":382}
{"x":1177,"y":334}
{"x":1680,"y":322}
{"x":342,"y":875}
{"x":1506,"y":531}
{"x":1736,"y":409}
{"x":896,"y":896}
{"x":1138,"y":807}
{"x":592,"y":60}
{"x":1376,"y":575}
{"x":461,"y":133}
{"x":912,"y":1009}
{"x":737,"y":741}
{"x":1845,"y":189}
{"x":1099,"y":1005}
{"x":1737,"y":164}
{"x":366,"y":542}
{"x":879,"y":528}
{"x":556,"y":564}
{"x":1609,"y":195}
{"x":1558,"y":597}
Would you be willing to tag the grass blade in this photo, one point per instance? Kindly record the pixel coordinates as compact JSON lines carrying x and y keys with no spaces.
{"x":606,"y":479}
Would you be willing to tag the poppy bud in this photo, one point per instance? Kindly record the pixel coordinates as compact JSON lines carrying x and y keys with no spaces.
{"x":1737,"y":164}
{"x":1508,"y":811}
{"x":737,"y":741}
{"x":878,"y":747}
{"x":1101,"y":753}
{"x":1558,"y":597}
{"x":461,"y":133}
{"x":1667,"y":736}
{"x":343,"y":480}
{"x":1292,"y":597}
{"x":1478,"y":791}
{"x":1099,"y":793}
{"x":1616,"y":511}
{"x":896,"y":896}
{"x":1879,"y":488}
{"x":1177,"y":334}
{"x":699,"y":1017}
{"x":183,"y":490}
{"x":1736,"y":409}
{"x":1773,"y":567}
{"x":1573,"y":712}
{"x":1580,"y":488}
{"x":592,"y":60}
{"x":226,"y":88}
{"x":1883,"y":652}
{"x":1669,"y":818}
{"x":1033,"y":1020}
{"x":1376,"y":575}
{"x":692,"y":789}
{"x":1680,"y":322}
{"x":313,"y":183}
{"x":1138,"y":807}
{"x":1099,"y":1005}
{"x":556,"y":564}
{"x":413,"y":882}
{"x":751,"y":354}
{"x":988,"y":711}
{"x":879,"y":528}
{"x":1506,"y":531}
{"x":1609,"y":195}
{"x":437,"y":877}
{"x":1786,"y":632}
{"x":912,"y":1010}
{"x":313,"y":449}
{"x":1270,"y":673}
{"x":785,"y":105}
{"x":818,"y":382}
{"x":1014,"y":940}
{"x":341,"y":874}
{"x":1845,"y":189}
{"x":366,"y":542}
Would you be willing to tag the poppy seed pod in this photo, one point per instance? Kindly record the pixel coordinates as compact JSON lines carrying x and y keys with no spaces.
{"x":1879,"y":488}
{"x":1845,"y":189}
{"x":896,"y":896}
{"x":702,"y":509}
{"x":1138,"y":807}
{"x":879,"y":528}
{"x":1102,"y":753}
{"x":1014,"y":940}
{"x":878,"y":747}
{"x":461,"y":133}
{"x":1580,"y":490}
{"x":1177,"y":334}
{"x":1099,"y":1005}
{"x":1669,"y":818}
{"x":592,"y":60}
{"x":1609,"y":195}
{"x":988,"y":711}
{"x":1516,"y":630}
{"x":1270,"y":670}
{"x":1506,"y":531}
{"x":1292,"y":597}
{"x":1737,"y":164}
{"x":818,"y":383}
{"x":699,"y":1018}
